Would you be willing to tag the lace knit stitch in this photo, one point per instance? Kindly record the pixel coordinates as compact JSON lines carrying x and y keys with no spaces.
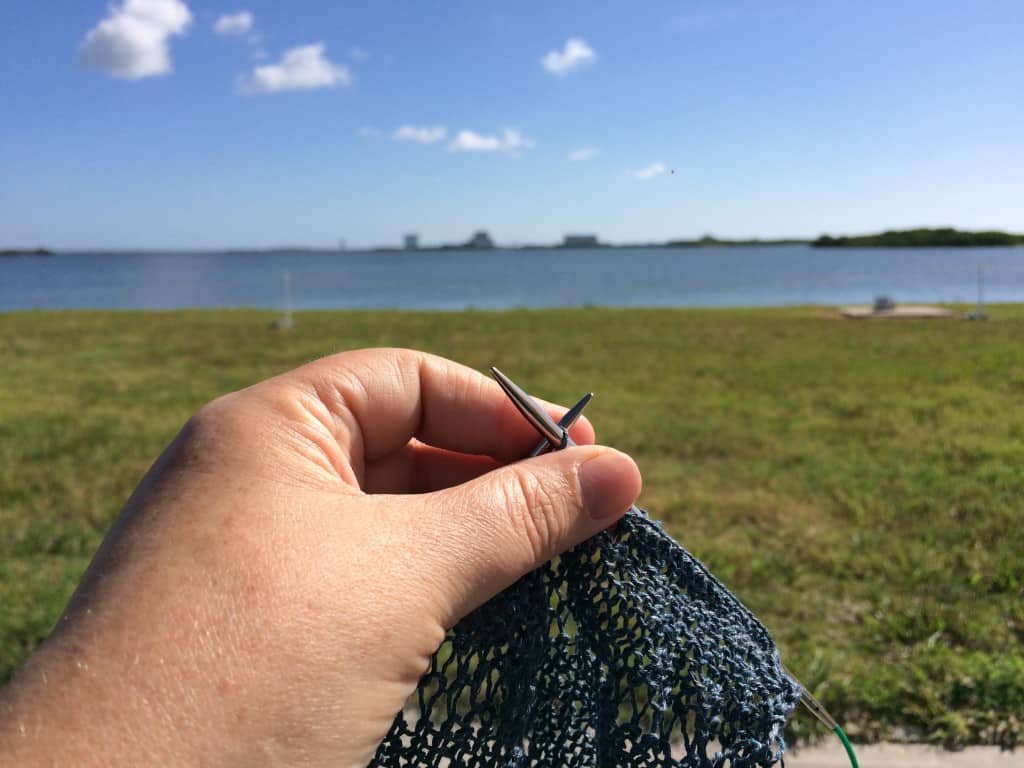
{"x":625,"y":651}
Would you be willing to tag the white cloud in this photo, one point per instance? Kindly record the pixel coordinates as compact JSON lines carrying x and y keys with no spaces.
{"x":300,"y":69}
{"x":583,"y":153}
{"x":369,"y":132}
{"x":233,"y":23}
{"x":470,"y":141}
{"x":649,"y":172}
{"x":132,"y":41}
{"x":421,"y":135}
{"x":575,"y":54}
{"x":510,"y":140}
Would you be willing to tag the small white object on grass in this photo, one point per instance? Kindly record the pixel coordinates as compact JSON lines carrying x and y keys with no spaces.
{"x":286,"y":320}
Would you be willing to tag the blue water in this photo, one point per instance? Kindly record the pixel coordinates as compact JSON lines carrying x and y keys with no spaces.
{"x":762,"y":276}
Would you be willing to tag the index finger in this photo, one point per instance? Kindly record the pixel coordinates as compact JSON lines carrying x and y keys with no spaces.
{"x":378,"y":399}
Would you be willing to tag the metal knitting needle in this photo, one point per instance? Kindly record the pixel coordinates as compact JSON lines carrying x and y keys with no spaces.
{"x":554,"y":434}
{"x":815,"y":708}
{"x":557,"y":436}
{"x":565,"y":422}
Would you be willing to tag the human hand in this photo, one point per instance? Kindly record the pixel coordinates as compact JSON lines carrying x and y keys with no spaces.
{"x":274,"y":588}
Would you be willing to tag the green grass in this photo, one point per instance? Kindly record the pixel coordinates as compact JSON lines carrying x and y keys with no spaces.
{"x":858,"y":484}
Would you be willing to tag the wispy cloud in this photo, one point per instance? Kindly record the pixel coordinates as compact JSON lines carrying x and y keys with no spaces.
{"x":300,"y":69}
{"x":132,"y":41}
{"x":233,"y":23}
{"x":369,"y":132}
{"x":583,"y":153}
{"x":421,"y":134}
{"x":649,"y":172}
{"x":575,"y":54}
{"x":694,"y":20}
{"x":510,"y":140}
{"x":242,"y":26}
{"x":358,"y":54}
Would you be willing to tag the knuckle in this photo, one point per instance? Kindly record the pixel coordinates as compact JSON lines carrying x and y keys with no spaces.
{"x":214,"y":418}
{"x":219,"y":423}
{"x":212,"y":413}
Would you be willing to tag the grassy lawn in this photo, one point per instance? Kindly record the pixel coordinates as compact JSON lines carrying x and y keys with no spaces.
{"x":858,"y":484}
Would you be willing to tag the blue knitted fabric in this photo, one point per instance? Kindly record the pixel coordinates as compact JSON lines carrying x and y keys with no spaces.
{"x":625,"y":651}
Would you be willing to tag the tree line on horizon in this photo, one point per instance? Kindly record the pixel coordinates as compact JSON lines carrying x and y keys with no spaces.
{"x":942,"y":237}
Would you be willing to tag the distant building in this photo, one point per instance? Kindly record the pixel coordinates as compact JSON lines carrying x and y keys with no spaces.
{"x":480,"y":240}
{"x":412,"y":242}
{"x":580,"y":241}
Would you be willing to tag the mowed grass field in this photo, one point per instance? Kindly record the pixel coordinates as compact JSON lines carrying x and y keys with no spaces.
{"x":859,"y":484}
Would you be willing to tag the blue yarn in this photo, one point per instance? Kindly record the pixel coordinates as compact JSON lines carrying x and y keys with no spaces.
{"x":614,"y":654}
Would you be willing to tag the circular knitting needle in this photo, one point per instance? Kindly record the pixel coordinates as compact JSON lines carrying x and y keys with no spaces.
{"x":816,"y":708}
{"x":557,"y":436}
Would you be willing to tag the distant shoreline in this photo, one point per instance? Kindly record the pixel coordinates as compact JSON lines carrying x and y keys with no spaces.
{"x":705,"y":242}
{"x":26,"y":252}
{"x":943,"y":237}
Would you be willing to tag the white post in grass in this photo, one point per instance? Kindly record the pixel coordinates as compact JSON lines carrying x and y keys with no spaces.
{"x":286,"y":321}
{"x":981,"y":290}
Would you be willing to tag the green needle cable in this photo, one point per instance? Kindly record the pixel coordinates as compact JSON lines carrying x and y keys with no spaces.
{"x":815,"y":708}
{"x":846,"y":743}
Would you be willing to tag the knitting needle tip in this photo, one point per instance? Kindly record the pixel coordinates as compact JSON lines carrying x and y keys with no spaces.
{"x":565,"y":422}
{"x":532,"y":412}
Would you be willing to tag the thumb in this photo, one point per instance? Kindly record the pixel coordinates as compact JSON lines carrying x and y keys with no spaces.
{"x":510,"y":521}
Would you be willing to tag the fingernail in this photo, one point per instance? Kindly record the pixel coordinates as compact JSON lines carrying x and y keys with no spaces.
{"x":608,"y":482}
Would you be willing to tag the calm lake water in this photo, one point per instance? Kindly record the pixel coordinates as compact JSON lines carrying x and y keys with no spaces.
{"x":665,"y":277}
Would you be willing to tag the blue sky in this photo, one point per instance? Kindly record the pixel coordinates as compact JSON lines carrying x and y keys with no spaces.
{"x":138,"y":124}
